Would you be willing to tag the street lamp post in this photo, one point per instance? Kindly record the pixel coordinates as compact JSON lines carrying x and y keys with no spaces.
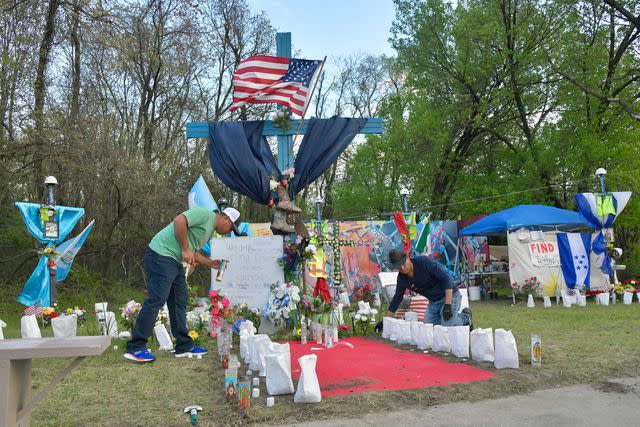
{"x":51,"y":230}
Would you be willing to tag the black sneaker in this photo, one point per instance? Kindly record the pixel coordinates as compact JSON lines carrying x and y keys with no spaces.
{"x":467,"y":311}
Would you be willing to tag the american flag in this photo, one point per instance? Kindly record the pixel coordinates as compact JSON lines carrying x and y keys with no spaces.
{"x":33,"y":310}
{"x":416,"y":303}
{"x":271,"y":79}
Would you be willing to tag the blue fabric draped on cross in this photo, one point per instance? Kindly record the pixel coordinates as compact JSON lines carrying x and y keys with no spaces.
{"x":241,"y":157}
{"x":37,"y":287}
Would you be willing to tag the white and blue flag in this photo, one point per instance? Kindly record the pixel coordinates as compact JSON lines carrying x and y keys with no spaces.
{"x":67,"y":252}
{"x":199,"y":195}
{"x":575,"y":249}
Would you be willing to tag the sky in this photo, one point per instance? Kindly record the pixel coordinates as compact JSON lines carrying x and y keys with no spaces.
{"x":332,"y":27}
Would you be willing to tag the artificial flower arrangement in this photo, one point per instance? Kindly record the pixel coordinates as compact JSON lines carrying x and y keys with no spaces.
{"x":282,"y":302}
{"x":530,"y":286}
{"x":130,"y":314}
{"x":274,"y":185}
{"x":49,"y":313}
{"x":364,"y":317}
{"x":199,"y":321}
{"x":163,"y":317}
{"x":590,"y":292}
{"x":80,"y":313}
{"x":631,"y":285}
{"x":220,"y":310}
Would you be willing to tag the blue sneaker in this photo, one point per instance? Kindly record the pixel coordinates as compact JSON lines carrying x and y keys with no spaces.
{"x":140,"y":356}
{"x":195,"y":351}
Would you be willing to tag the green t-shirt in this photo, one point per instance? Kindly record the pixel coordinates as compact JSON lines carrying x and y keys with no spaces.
{"x":200,"y":228}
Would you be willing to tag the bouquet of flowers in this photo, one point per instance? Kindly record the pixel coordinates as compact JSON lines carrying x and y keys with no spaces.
{"x":129,"y":314}
{"x":220,"y":310}
{"x":49,"y":313}
{"x":530,"y":286}
{"x":282,"y":302}
{"x":199,"y":321}
{"x":78,"y":312}
{"x":275,"y":185}
{"x":364,"y":317}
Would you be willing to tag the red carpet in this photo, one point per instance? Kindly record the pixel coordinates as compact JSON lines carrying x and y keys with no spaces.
{"x":371,"y":366}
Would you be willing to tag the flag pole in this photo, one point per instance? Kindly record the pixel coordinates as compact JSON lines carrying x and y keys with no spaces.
{"x":313,"y":89}
{"x":74,"y":241}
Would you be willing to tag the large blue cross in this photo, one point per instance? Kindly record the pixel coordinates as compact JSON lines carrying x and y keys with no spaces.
{"x":285,"y":138}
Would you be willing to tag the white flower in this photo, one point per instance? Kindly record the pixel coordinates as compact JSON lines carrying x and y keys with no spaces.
{"x":311,"y":249}
{"x":273,"y":185}
{"x":374,"y":311}
{"x":357,"y":317}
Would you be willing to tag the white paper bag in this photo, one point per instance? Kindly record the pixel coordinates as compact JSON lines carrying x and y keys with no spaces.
{"x":2,"y":326}
{"x":386,"y":327}
{"x":547,"y":301}
{"x":404,"y":332}
{"x":64,"y":326}
{"x":163,"y":337}
{"x":506,"y":355}
{"x":482,"y":345}
{"x":100,"y":307}
{"x":459,"y":337}
{"x":247,"y":325}
{"x":441,"y":341}
{"x":627,"y":298}
{"x":308,"y":387}
{"x":244,"y":345}
{"x":530,"y":302}
{"x":258,"y":348}
{"x":415,"y":332}
{"x":428,"y":328}
{"x":29,"y":327}
{"x":278,"y":369}
{"x":581,"y":300}
{"x":394,"y":329}
{"x":602,"y":299}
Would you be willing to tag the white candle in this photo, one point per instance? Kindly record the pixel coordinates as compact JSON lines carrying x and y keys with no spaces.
{"x":255,"y":392}
{"x":256,"y":382}
{"x":271,"y":401}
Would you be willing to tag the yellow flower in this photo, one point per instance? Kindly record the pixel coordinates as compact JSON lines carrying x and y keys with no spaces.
{"x":194,"y":335}
{"x":47,"y":311}
{"x":298,"y":332}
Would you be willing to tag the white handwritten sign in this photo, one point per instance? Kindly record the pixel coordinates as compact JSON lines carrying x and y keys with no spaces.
{"x":544,"y":254}
{"x":252,"y":268}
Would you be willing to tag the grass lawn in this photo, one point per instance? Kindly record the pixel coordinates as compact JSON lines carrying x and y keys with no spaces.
{"x":587,"y":344}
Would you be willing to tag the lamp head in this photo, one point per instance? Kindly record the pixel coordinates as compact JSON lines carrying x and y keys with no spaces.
{"x":50,"y":180}
{"x":404,"y":191}
{"x":601,"y":172}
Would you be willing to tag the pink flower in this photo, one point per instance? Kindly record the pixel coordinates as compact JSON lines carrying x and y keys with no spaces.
{"x":215,"y":311}
{"x":213,"y":334}
{"x":225,"y":302}
{"x":284,"y":182}
{"x":271,"y":202}
{"x":216,"y":321}
{"x":213,"y":294}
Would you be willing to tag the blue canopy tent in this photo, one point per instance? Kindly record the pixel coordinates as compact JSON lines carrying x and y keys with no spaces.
{"x":537,"y":217}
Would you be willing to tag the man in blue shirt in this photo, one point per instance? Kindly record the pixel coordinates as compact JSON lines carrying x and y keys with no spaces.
{"x":426,"y":277}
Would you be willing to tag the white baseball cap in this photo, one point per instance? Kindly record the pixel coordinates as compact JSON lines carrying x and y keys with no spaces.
{"x":232,"y":213}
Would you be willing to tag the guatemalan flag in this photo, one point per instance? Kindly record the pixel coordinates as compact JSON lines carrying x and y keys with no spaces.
{"x":274,"y":80}
{"x":575,"y":249}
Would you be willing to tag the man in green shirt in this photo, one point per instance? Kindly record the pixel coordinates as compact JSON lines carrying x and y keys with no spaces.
{"x":175,"y":246}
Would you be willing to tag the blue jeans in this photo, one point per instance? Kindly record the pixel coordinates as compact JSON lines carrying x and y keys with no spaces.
{"x":166,"y":283}
{"x":433,"y":313}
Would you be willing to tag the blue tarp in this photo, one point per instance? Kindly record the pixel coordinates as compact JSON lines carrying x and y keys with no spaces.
{"x":539,"y":217}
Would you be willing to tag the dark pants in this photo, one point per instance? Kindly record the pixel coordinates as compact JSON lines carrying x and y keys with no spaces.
{"x":166,"y":282}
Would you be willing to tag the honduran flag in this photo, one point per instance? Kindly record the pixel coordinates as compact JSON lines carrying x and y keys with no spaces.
{"x":575,"y":249}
